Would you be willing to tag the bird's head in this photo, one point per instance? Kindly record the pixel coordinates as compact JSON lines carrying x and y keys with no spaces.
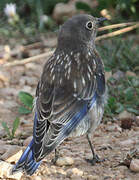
{"x":80,"y":30}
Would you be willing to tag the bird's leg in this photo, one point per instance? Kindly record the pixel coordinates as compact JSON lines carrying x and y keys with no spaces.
{"x":56,"y":156}
{"x":96,"y":158}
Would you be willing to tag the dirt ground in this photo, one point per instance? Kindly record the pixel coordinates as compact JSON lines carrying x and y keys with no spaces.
{"x":110,"y":140}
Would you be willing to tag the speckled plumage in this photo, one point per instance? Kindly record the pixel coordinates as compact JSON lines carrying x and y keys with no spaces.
{"x":71,"y":93}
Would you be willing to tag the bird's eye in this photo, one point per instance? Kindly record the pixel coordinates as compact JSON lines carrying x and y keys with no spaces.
{"x":89,"y":25}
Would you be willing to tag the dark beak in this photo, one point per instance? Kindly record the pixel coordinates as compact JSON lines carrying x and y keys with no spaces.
{"x":100,"y":20}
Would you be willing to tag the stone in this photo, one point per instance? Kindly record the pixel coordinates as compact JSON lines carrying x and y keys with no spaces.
{"x":62,"y":10}
{"x":61,"y":171}
{"x":124,"y":115}
{"x":64,"y":161}
{"x":75,"y":171}
{"x":5,"y":171}
{"x":37,"y":178}
{"x":134,"y":165}
{"x":11,"y":153}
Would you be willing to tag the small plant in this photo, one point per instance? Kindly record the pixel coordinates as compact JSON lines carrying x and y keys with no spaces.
{"x":123,"y":93}
{"x":11,"y":134}
{"x":27,"y":101}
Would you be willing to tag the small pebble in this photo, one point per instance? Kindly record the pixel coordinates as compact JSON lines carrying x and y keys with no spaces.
{"x":37,"y":178}
{"x":134,"y":165}
{"x":76,"y":172}
{"x":5,"y":171}
{"x":64,"y":161}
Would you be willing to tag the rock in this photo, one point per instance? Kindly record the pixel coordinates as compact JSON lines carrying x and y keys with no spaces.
{"x":61,"y":10}
{"x":37,"y":178}
{"x":134,"y":165}
{"x":11,"y":153}
{"x":74,"y":171}
{"x":124,"y":115}
{"x":64,"y":161}
{"x":61,"y":171}
{"x":130,"y":73}
{"x":27,"y":141}
{"x":108,"y":75}
{"x":118,"y":75}
{"x":5,"y":171}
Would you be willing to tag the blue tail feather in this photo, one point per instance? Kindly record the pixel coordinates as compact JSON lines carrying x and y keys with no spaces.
{"x":27,"y":162}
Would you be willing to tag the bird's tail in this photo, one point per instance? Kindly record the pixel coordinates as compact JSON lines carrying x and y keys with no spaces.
{"x":27,"y":162}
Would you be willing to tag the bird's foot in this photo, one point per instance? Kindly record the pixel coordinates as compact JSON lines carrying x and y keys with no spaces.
{"x":95,"y":160}
{"x":54,"y":160}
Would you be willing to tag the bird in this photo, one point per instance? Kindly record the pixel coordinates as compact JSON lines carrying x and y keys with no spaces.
{"x":70,"y":95}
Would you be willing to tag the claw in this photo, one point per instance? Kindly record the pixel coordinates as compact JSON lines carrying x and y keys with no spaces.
{"x":55,"y":158}
{"x":95,"y":160}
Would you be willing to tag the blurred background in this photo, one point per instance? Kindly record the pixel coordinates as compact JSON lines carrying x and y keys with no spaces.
{"x":30,"y":17}
{"x":28,"y":36}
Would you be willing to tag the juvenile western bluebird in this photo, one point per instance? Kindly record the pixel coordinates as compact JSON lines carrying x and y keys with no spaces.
{"x":70,"y":95}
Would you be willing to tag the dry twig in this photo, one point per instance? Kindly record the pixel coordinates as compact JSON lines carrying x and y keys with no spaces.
{"x":47,"y":54}
{"x":114,"y":26}
{"x":28,"y":60}
{"x":115,"y":33}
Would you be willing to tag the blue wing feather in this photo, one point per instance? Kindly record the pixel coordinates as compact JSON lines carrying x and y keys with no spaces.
{"x":27,"y":162}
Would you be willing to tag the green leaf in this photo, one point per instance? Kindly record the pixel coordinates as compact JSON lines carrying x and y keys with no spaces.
{"x":133,"y":9}
{"x":111,"y":101}
{"x":23,"y":110}
{"x":120,"y":108}
{"x":26,"y":99}
{"x":4,"y":125}
{"x":107,"y":69}
{"x":83,"y":6}
{"x":133,"y":111}
{"x":129,"y":93}
{"x":15,"y":126}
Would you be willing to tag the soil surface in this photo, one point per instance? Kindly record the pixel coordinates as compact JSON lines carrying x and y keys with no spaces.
{"x":110,"y":140}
